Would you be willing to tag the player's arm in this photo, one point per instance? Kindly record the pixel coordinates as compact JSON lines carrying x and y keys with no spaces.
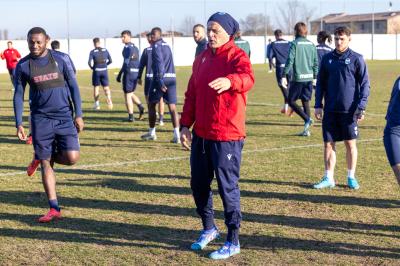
{"x":70,"y":78}
{"x":109,"y":59}
{"x":363,"y":80}
{"x":158,"y":62}
{"x":271,"y":55}
{"x":242,"y":79}
{"x":18,"y":101}
{"x":290,"y":59}
{"x":142,"y":63}
{"x":90,"y":60}
{"x":320,"y":89}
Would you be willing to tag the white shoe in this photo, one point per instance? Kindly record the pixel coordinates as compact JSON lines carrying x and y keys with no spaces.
{"x":161,"y":123}
{"x":148,"y":136}
{"x":176,"y":140}
{"x":96,"y":106}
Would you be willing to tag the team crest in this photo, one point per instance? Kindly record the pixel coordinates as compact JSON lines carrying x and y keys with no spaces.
{"x":229,"y":156}
{"x":347,"y":61}
{"x":330,"y":61}
{"x":203,"y":59}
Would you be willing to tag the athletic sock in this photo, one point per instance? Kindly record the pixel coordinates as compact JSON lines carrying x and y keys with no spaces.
{"x":233,"y":236}
{"x":130,"y":116}
{"x":176,"y":132}
{"x":152,"y":131}
{"x":140,"y":106}
{"x":351,"y":173}
{"x":161,"y":118}
{"x":286,"y":106}
{"x":329,"y":175}
{"x":54,"y":205}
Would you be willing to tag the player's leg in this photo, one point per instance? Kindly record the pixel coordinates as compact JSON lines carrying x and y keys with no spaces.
{"x":136,"y":100}
{"x":306,"y":94}
{"x":96,"y":96}
{"x":351,"y":159}
{"x":161,"y":108}
{"x":151,"y":135}
{"x":106,"y":88}
{"x":391,"y":140}
{"x":129,"y":105}
{"x":170,"y":98}
{"x":175,"y":122}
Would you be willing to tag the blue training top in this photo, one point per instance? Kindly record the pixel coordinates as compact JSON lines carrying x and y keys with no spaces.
{"x":162,"y":63}
{"x":53,"y":103}
{"x":342,"y":82}
{"x":101,"y":59}
{"x":393,"y":111}
{"x":280,"y":50}
{"x":322,"y":49}
{"x":145,"y":61}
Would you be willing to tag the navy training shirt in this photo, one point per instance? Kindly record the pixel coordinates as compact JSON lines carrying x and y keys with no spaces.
{"x":162,"y":62}
{"x":101,"y":58}
{"x":322,"y":49}
{"x":145,"y":62}
{"x":342,"y":82}
{"x":201,"y":46}
{"x":393,"y":110}
{"x":54,"y":103}
{"x":280,"y":50}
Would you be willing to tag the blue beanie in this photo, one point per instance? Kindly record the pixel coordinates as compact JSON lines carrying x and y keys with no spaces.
{"x":230,"y":25}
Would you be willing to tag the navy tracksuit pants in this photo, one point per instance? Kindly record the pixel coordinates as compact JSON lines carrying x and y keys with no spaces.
{"x":223,"y":159}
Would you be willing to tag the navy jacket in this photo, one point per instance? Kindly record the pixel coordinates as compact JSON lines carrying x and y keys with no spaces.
{"x":162,"y":63}
{"x":145,"y":62}
{"x":393,"y":111}
{"x":50,"y":103}
{"x":201,"y":46}
{"x":322,"y":49}
{"x":280,"y":50}
{"x":342,"y":83}
{"x":97,"y":55}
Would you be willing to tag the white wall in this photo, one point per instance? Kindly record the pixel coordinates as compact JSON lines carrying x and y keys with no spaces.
{"x":184,"y":48}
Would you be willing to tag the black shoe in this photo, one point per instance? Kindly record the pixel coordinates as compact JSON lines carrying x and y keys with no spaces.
{"x":141,"y":112}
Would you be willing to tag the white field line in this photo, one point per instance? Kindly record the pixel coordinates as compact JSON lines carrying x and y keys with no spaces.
{"x":88,"y":166}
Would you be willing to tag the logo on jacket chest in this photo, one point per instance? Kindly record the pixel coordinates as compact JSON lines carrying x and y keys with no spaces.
{"x":203,"y":59}
{"x":45,"y":77}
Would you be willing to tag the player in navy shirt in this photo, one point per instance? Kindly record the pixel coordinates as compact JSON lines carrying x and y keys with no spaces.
{"x":322,"y":48}
{"x":391,"y":137}
{"x":99,"y":59}
{"x":55,"y":122}
{"x":267,"y":53}
{"x":279,"y":49}
{"x":343,"y":85}
{"x":199,"y":36}
{"x":129,"y":74}
{"x":163,"y":84}
{"x":145,"y":62}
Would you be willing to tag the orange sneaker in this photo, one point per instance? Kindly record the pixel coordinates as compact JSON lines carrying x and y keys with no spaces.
{"x":53,"y":214}
{"x":32,"y":167}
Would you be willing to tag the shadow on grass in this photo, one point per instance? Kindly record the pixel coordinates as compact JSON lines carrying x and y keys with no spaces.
{"x":117,"y":234}
{"x":37,"y":199}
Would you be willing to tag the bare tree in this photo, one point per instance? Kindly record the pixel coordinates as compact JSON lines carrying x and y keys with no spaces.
{"x":291,"y":12}
{"x":255,"y":24}
{"x":187,"y":25}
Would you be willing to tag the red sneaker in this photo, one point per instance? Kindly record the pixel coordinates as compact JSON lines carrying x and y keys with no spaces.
{"x":32,"y":167}
{"x":29,"y":140}
{"x":53,"y":214}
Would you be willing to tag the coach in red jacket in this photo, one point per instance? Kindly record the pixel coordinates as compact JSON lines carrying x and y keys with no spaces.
{"x":215,"y":103}
{"x":11,"y":56}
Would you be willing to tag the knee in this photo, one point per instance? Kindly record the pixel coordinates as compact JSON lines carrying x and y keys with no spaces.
{"x":72,"y":158}
{"x":329,"y":146}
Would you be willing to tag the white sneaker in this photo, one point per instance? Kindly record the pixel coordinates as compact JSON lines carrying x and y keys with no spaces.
{"x":161,"y":123}
{"x":148,"y":136}
{"x":176,"y":140}
{"x":96,"y":106}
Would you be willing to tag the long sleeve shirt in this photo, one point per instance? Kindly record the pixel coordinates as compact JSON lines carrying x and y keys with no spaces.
{"x":162,"y":63}
{"x":280,"y":51}
{"x":99,"y":59}
{"x":53,"y":103}
{"x":11,"y":56}
{"x":343,"y":83}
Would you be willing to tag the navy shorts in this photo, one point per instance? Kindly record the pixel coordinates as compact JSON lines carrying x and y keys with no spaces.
{"x":129,"y":82}
{"x":300,"y":90}
{"x":147,"y":82}
{"x":339,"y":126}
{"x":169,"y":96}
{"x":100,"y":78}
{"x":51,"y":135}
{"x":391,"y":140}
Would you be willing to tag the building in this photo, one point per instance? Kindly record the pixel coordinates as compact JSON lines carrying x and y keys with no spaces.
{"x":384,"y":22}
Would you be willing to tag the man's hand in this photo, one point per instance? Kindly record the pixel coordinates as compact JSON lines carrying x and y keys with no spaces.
{"x":119,"y":78}
{"x":359,"y":115}
{"x":186,"y":138}
{"x":284,"y":82}
{"x":139,"y":81}
{"x":164,"y":88}
{"x":318,"y":113}
{"x":21,"y":133}
{"x":79,"y":124}
{"x":220,"y":84}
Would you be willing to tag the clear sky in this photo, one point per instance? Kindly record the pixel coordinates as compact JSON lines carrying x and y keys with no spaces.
{"x":107,"y":18}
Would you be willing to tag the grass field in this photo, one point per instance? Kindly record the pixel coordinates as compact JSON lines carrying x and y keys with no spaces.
{"x":129,"y":202}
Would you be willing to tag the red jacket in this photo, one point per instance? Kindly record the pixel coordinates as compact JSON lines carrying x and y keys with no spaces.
{"x":216,"y":116}
{"x":11,"y":56}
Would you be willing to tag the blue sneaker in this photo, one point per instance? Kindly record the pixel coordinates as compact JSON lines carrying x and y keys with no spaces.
{"x":226,"y":251}
{"x":324,"y":183}
{"x":308,"y":124}
{"x":206,"y":237}
{"x":352,"y":183}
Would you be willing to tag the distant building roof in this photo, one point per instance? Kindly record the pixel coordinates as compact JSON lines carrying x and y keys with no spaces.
{"x":342,"y":17}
